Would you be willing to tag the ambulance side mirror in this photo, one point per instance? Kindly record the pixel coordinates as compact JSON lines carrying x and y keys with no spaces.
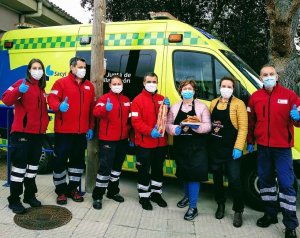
{"x":240,"y":92}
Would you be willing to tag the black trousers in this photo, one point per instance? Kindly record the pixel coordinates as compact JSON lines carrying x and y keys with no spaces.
{"x":234,"y":180}
{"x":25,"y":156}
{"x":146,"y":160}
{"x":69,"y":152}
{"x":111,"y":157}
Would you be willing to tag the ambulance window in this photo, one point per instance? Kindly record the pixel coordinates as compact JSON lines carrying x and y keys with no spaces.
{"x":196,"y":66}
{"x":220,"y":72}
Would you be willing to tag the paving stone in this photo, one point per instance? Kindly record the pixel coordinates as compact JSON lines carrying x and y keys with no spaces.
{"x":115,"y":231}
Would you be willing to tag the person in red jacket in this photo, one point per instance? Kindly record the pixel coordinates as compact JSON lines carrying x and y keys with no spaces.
{"x":30,"y":123}
{"x":113,"y":110}
{"x":72,"y":100}
{"x":272,"y":113}
{"x":151,"y":146}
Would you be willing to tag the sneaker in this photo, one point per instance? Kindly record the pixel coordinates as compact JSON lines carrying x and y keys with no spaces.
{"x":290,"y":233}
{"x":238,"y":219}
{"x":183,"y":202}
{"x":33,"y":202}
{"x":191,"y":214}
{"x":116,"y":197}
{"x":146,"y":204}
{"x":220,"y":211}
{"x":75,"y":195}
{"x":97,"y":204}
{"x":266,"y":221}
{"x":157,"y":198}
{"x":61,"y":199}
{"x":17,"y":207}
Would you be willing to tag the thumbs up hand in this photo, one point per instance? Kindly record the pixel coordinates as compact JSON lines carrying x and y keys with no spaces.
{"x":64,"y":106}
{"x":109,"y":105}
{"x":294,"y":113}
{"x":23,"y":88}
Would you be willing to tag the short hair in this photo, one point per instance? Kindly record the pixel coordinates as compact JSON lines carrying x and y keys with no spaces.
{"x":186,"y":82}
{"x":73,"y":61}
{"x":233,"y":80}
{"x":151,"y":74}
{"x":116,"y":76}
{"x":266,"y":66}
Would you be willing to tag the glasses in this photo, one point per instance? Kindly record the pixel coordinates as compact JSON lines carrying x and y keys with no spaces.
{"x":151,"y":82}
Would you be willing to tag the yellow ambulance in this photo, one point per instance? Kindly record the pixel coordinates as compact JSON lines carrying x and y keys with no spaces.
{"x":172,"y":49}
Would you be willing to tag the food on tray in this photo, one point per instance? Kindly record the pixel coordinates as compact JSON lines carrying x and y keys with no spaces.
{"x":191,"y":119}
{"x":162,"y":119}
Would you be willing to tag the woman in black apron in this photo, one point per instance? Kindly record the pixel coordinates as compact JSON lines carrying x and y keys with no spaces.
{"x":189,"y":145}
{"x":226,"y":142}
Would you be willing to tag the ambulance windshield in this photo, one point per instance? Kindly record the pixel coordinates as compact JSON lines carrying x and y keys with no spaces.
{"x":245,"y":69}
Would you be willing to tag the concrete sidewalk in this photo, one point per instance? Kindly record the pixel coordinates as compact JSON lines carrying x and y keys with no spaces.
{"x":128,"y":219}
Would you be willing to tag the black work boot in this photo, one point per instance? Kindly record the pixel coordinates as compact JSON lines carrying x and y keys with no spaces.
{"x":116,"y":197}
{"x":17,"y":207}
{"x":191,"y":214}
{"x":290,"y":233}
{"x":238,"y":219}
{"x":183,"y":202}
{"x":97,"y":204}
{"x":220,"y":211}
{"x":146,"y":204}
{"x":266,"y":221}
{"x":157,"y":198}
{"x":32,"y":201}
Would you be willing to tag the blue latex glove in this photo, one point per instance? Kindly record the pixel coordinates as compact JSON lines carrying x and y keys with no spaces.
{"x":167,"y":102}
{"x":294,"y":113}
{"x":195,"y":127}
{"x":23,"y":88}
{"x":131,"y":144}
{"x":64,"y":106}
{"x":89,"y":134}
{"x":177,"y":130}
{"x":236,"y":153}
{"x":250,"y":148}
{"x":109,"y":105}
{"x":155,"y":133}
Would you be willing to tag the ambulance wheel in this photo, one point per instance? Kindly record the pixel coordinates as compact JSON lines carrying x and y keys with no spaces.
{"x":251,"y":191}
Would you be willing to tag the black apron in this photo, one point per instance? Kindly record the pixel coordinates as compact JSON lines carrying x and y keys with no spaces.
{"x":190,"y":151}
{"x":223,"y":135}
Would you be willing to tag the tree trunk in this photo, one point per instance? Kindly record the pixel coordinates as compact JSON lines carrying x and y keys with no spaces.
{"x":283,"y":16}
{"x":97,"y":73}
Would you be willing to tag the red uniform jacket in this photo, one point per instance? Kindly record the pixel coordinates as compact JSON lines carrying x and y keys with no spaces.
{"x":113,"y":125}
{"x":81,"y":99}
{"x":31,"y":114}
{"x":269,"y":118}
{"x":144,"y":112}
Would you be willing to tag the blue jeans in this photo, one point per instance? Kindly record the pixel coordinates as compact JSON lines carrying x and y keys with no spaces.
{"x":191,"y":190}
{"x":272,"y":163}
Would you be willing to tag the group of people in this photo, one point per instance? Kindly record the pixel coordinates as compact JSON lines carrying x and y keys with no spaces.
{"x":216,"y":141}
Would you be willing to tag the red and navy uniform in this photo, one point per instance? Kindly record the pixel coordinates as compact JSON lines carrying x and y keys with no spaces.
{"x":70,"y":130}
{"x":150,"y":152}
{"x":113,"y":135}
{"x":30,"y":123}
{"x":272,"y":128}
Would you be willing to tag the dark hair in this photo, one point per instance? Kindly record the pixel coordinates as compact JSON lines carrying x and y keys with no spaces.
{"x":186,"y":82}
{"x":73,"y":61}
{"x":42,"y":81}
{"x":228,"y":78}
{"x":151,"y":74}
{"x":267,"y":65}
{"x":116,"y":76}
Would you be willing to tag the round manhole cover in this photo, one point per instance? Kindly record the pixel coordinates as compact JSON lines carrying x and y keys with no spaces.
{"x":43,"y":218}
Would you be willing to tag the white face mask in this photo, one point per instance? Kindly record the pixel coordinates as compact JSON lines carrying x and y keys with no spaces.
{"x":36,"y":73}
{"x":151,"y":87}
{"x":80,"y":73}
{"x":117,"y":88}
{"x":269,"y":81}
{"x":226,"y":92}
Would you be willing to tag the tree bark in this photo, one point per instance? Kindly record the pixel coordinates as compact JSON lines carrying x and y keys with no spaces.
{"x":97,"y":73}
{"x":283,"y":16}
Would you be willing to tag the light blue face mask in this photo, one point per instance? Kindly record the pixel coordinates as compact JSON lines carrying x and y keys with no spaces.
{"x":187,"y":94}
{"x":269,"y":81}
